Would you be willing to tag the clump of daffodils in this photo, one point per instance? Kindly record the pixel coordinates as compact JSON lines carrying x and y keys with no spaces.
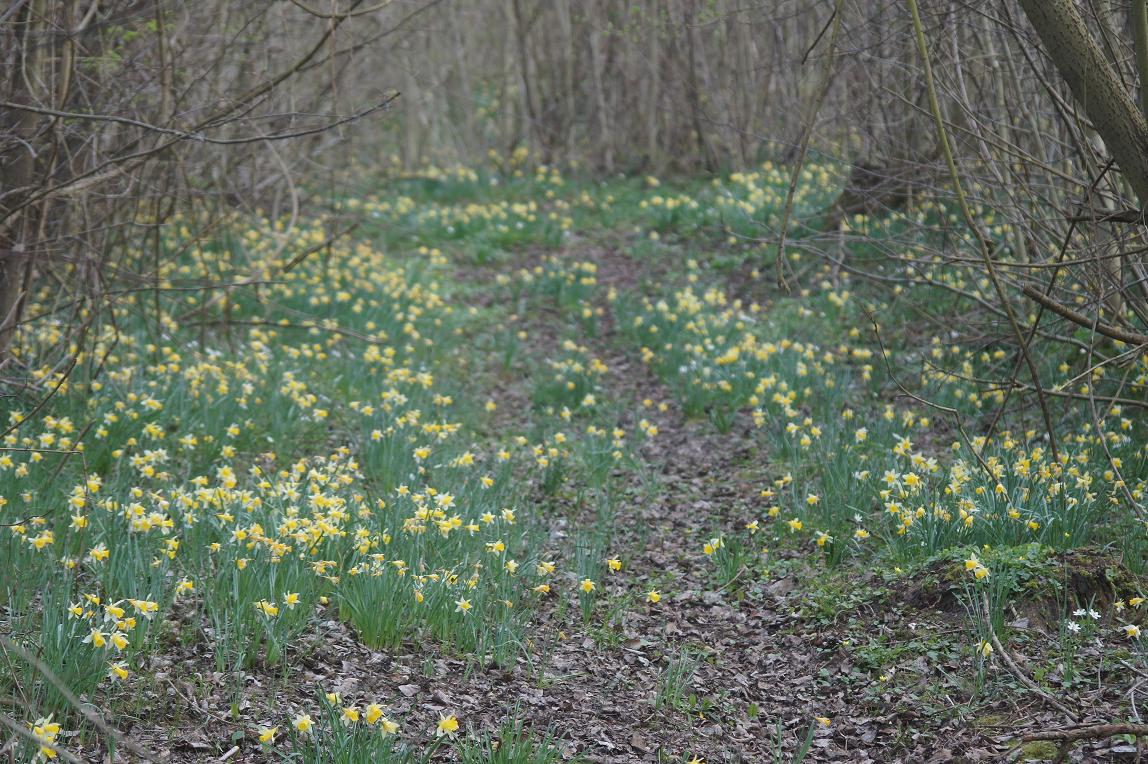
{"x":974,"y":566}
{"x":45,"y":731}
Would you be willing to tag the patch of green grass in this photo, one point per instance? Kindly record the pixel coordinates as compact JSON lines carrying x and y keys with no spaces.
{"x":515,"y":743}
{"x":674,"y":681}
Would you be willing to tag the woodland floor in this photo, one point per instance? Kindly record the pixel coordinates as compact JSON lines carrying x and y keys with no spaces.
{"x":885,"y":664}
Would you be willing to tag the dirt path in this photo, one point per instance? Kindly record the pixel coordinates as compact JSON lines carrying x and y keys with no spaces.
{"x":761,"y":671}
{"x":757,"y":666}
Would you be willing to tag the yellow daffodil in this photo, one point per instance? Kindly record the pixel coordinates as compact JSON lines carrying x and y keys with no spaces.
{"x":303,"y":724}
{"x":447,"y":725}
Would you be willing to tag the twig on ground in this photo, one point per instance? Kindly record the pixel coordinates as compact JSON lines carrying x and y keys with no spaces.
{"x":1087,"y":732}
{"x":1016,"y":670}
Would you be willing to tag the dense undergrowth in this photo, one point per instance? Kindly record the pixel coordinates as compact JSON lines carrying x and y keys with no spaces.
{"x":227,"y":467}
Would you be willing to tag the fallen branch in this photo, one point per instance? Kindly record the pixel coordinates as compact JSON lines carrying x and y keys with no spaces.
{"x":1088,"y":732}
{"x":1016,"y":670}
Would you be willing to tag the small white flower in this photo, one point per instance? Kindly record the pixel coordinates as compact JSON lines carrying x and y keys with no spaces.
{"x":1094,"y":615}
{"x":1072,"y":626}
{"x":1080,"y":612}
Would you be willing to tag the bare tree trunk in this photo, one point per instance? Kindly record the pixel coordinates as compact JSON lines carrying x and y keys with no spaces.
{"x":596,"y":66}
{"x":1095,"y":85}
{"x":569,"y":90}
{"x":654,"y":90}
{"x":16,"y":227}
{"x":529,"y":111}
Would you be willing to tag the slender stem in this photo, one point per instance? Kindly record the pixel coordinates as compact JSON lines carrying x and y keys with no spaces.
{"x":803,"y":149}
{"x":978,"y":234}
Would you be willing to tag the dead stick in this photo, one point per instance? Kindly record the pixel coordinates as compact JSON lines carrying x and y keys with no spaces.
{"x":1018,"y":672}
{"x":1090,"y":732}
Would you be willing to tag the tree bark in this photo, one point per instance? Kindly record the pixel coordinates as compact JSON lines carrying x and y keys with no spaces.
{"x":1095,"y":85}
{"x":16,"y":251}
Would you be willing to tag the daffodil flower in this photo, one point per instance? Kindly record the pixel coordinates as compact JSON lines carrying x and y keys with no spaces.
{"x":447,"y":725}
{"x":303,"y":723}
